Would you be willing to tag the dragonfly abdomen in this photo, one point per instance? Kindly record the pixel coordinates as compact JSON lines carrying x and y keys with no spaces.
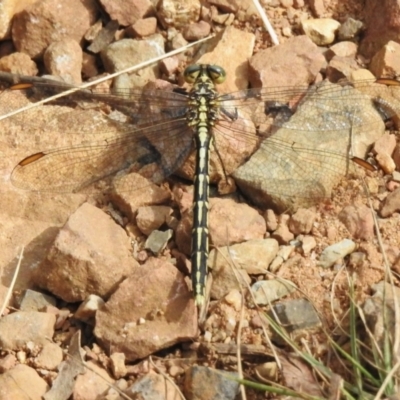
{"x":200,"y":249}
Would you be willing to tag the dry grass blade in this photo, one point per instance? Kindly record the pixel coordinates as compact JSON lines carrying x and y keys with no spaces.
{"x":267,"y":24}
{"x":14,"y":279}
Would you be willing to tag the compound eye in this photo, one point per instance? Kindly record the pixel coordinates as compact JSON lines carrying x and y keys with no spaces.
{"x":191,"y":73}
{"x":217,"y":73}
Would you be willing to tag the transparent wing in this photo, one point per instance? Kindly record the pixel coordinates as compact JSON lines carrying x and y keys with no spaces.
{"x":145,"y":132}
{"x":307,"y":137}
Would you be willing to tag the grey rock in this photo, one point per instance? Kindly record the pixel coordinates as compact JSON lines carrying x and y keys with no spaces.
{"x":30,"y":300}
{"x":335,"y":252}
{"x":265,"y":292}
{"x":219,"y":385}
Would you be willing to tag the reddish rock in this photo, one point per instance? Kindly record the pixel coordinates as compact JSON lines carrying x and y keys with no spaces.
{"x":50,"y":357}
{"x":7,"y":362}
{"x":91,"y":255}
{"x":8,"y":10}
{"x":144,"y":27}
{"x":359,"y":221}
{"x":302,"y":221}
{"x":127,"y":12}
{"x":386,"y":62}
{"x":342,"y":49}
{"x":391,"y":204}
{"x":93,"y":384}
{"x":153,"y":299}
{"x":18,"y":63}
{"x":150,"y":218}
{"x":384,"y":148}
{"x":295,"y":62}
{"x":196,"y":31}
{"x":48,"y":21}
{"x":232,"y":222}
{"x":340,"y":68}
{"x":129,"y":201}
{"x":16,"y":383}
{"x":64,"y":59}
{"x":21,"y":327}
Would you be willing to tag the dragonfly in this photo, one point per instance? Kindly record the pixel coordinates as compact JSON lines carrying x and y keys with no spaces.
{"x":283,"y":146}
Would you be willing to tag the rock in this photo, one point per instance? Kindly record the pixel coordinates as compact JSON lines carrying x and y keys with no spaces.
{"x":308,"y":243}
{"x":266,"y":292}
{"x":150,"y":218}
{"x":271,"y":220}
{"x":129,"y":201}
{"x":384,"y":148}
{"x":91,"y":255}
{"x":169,"y":65}
{"x":297,"y":314}
{"x":158,"y":240}
{"x":234,"y":298}
{"x":342,"y":49}
{"x":9,"y":9}
{"x":333,"y":253}
{"x":219,"y":387}
{"x":152,"y":386}
{"x":118,"y":365}
{"x":231,"y":222}
{"x":88,"y":308}
{"x":144,"y":27}
{"x":7,"y":362}
{"x":340,"y":68}
{"x":196,"y":31}
{"x":349,"y":29}
{"x":64,"y":59}
{"x":385,"y":63}
{"x":318,"y":7}
{"x":94,"y":383}
{"x":100,"y":37}
{"x":18,"y":63}
{"x":21,"y":327}
{"x":50,"y":357}
{"x":127,"y":12}
{"x":254,"y":256}
{"x":302,"y":221}
{"x":268,"y":370}
{"x":380,"y":312}
{"x":359,"y":221}
{"x":127,"y":52}
{"x":224,"y":278}
{"x":305,"y":140}
{"x":282,"y":234}
{"x":178,"y":14}
{"x":20,"y":380}
{"x":156,"y":294}
{"x":30,"y":300}
{"x":293,"y":63}
{"x":321,"y":31}
{"x":391,"y":204}
{"x":48,"y":21}
{"x":283,"y":255}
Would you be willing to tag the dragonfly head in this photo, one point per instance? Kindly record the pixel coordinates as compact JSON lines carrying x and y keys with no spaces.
{"x":198,"y":71}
